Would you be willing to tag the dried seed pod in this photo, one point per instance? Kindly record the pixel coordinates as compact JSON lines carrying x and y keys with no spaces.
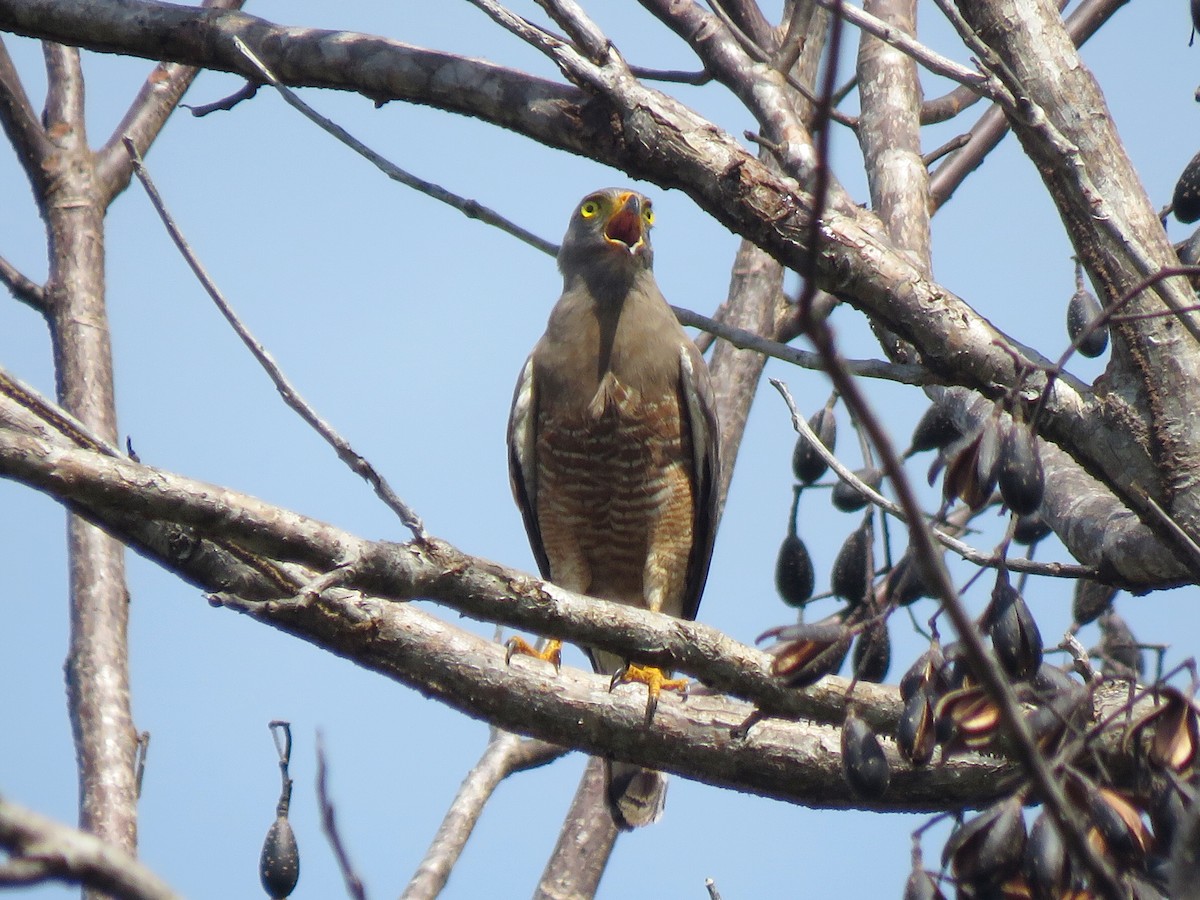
{"x":846,"y":497}
{"x":988,"y":847}
{"x":905,"y":584}
{"x":1119,"y":651}
{"x":967,"y":717}
{"x":1082,"y":310}
{"x":851,"y":574}
{"x":921,"y":886}
{"x":915,"y":735}
{"x":935,"y":429}
{"x":279,"y":864}
{"x":927,"y":673}
{"x":971,"y":470}
{"x":1047,"y":865}
{"x":1186,"y":199}
{"x":1091,"y":600}
{"x":807,"y":652}
{"x":1184,"y":857}
{"x":863,"y":761}
{"x":1119,"y":826}
{"x":1013,"y":630}
{"x":1174,"y":729}
{"x":807,"y":463}
{"x":1030,"y":529}
{"x":872,"y":653}
{"x":1167,"y":812}
{"x":1021,"y":478}
{"x":794,"y":576}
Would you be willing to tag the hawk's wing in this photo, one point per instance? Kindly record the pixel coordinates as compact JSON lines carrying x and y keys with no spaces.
{"x":522,"y":460}
{"x":698,"y":418}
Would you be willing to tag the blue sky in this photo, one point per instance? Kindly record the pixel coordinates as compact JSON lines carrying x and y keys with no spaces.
{"x":405,"y":325}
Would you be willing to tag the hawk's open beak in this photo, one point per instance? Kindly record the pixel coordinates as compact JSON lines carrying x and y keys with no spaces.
{"x":625,"y":225}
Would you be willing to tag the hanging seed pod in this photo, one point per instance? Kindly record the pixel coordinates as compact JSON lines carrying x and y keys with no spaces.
{"x":935,"y":429}
{"x":967,"y":718}
{"x":921,"y":886}
{"x":807,"y":463}
{"x":1021,"y":478}
{"x":850,"y":577}
{"x":1185,"y":857}
{"x":1030,"y":529}
{"x":847,"y":498}
{"x":915,"y":735}
{"x":807,"y":652}
{"x":1091,"y":600}
{"x":972,"y":468}
{"x":927,"y":673}
{"x":1186,"y":198}
{"x":1119,"y":825}
{"x":1119,"y":652}
{"x":1082,"y":310}
{"x":863,"y":761}
{"x":279,"y":864}
{"x":872,"y":653}
{"x":1013,"y":630}
{"x":1047,"y":866}
{"x":990,"y":846}
{"x":905,"y":584}
{"x":794,"y":576}
{"x":1167,"y":811}
{"x":1173,"y":728}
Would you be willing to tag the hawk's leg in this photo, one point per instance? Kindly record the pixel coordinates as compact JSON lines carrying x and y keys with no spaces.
{"x":551,"y":651}
{"x":655,"y":680}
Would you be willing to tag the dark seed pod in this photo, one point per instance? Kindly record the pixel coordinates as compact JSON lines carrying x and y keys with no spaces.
{"x":1030,"y":529}
{"x":1173,"y":726}
{"x":1021,"y":478}
{"x":915,"y":735}
{"x":1185,"y":855}
{"x":990,"y":846}
{"x":935,"y":429}
{"x":1167,"y":812}
{"x":972,"y":467}
{"x":807,"y":464}
{"x":967,"y":718}
{"x":850,"y":578}
{"x":807,"y":652}
{"x":846,"y":497}
{"x":1013,"y":630}
{"x":1091,"y":600}
{"x":279,"y":864}
{"x":872,"y":653}
{"x":926,"y":673}
{"x":1186,"y":199}
{"x":1119,"y":825}
{"x":905,"y":583}
{"x":921,"y":886}
{"x":863,"y":761}
{"x":1047,"y":866}
{"x":1082,"y":310}
{"x":794,"y":577}
{"x":1119,"y":651}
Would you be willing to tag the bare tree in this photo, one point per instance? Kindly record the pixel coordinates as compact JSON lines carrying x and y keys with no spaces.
{"x":1109,"y":465}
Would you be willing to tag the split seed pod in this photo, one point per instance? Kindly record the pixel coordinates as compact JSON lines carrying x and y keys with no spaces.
{"x":807,"y":652}
{"x":971,"y":472}
{"x":988,"y":847}
{"x":967,"y":717}
{"x":1021,"y":478}
{"x":1082,"y":310}
{"x":807,"y":463}
{"x":863,"y":761}
{"x":915,"y":735}
{"x":279,"y":864}
{"x":1174,"y":729}
{"x":847,"y":498}
{"x":1013,"y":630}
{"x":1119,"y":827}
{"x":850,"y":578}
{"x":794,"y":576}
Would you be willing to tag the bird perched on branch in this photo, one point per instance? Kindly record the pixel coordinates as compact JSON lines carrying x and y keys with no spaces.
{"x":613,"y":450}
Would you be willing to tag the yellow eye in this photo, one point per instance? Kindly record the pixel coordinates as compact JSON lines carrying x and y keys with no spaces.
{"x":648,"y":215}
{"x":589,"y":209}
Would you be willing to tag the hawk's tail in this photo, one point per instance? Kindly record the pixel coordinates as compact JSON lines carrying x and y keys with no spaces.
{"x":636,"y":796}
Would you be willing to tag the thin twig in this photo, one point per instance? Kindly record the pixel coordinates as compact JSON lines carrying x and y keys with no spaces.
{"x":246,"y":92}
{"x":472,"y":209}
{"x":354,"y":885}
{"x":24,"y":289}
{"x":287,"y":391}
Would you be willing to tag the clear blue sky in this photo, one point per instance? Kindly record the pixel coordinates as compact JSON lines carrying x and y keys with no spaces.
{"x":405,"y":325}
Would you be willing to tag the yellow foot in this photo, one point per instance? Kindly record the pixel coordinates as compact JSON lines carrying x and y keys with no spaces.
{"x":551,"y":652}
{"x":655,"y":681}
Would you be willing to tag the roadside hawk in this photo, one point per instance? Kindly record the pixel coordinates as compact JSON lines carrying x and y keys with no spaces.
{"x":613,"y":449}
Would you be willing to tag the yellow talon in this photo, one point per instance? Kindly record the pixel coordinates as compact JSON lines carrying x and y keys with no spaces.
{"x":551,"y":652}
{"x":655,"y":681}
